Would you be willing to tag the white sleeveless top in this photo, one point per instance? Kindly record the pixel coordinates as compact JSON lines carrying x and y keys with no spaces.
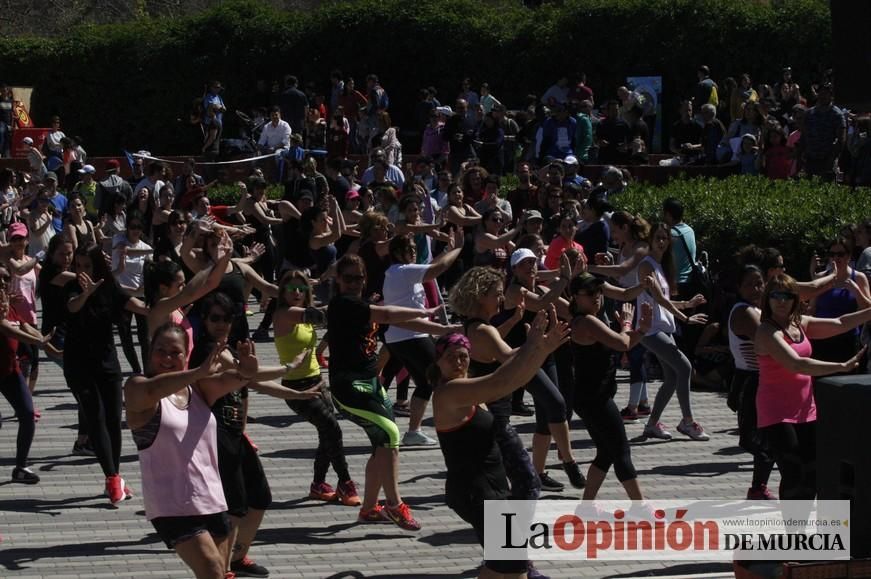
{"x":630,"y":278}
{"x":663,"y":320}
{"x":742,"y":347}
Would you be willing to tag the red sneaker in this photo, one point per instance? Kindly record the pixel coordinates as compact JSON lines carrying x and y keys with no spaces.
{"x":115,"y":489}
{"x":347,"y":493}
{"x":759,"y":493}
{"x":322,"y":492}
{"x":323,"y":362}
{"x":128,"y":492}
{"x":401,"y":515}
{"x":373,"y":515}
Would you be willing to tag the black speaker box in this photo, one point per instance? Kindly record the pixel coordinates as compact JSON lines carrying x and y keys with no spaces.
{"x":844,"y":451}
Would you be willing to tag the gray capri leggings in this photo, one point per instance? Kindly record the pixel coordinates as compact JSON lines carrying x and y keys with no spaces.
{"x":676,"y":374}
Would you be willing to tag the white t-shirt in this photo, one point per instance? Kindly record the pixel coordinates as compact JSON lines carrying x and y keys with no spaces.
{"x":403,"y":286}
{"x":132,"y":276}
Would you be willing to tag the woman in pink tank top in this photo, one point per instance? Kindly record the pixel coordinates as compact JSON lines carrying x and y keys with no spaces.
{"x":169,"y":414}
{"x":785,"y":408}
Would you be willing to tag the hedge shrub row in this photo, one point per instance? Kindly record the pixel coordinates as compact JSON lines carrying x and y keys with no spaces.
{"x":797,"y":217}
{"x":125,"y":85}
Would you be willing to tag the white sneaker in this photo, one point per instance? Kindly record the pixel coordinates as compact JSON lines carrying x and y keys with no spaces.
{"x":694,"y":430}
{"x":657,"y":431}
{"x":418,"y":438}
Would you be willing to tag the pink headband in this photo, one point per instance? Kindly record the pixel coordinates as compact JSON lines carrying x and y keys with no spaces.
{"x":448,"y":340}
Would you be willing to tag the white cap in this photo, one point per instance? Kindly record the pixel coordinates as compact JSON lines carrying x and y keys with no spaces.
{"x":27,"y":141}
{"x":571,"y":160}
{"x":89,"y":169}
{"x":445,"y":111}
{"x":521,"y":254}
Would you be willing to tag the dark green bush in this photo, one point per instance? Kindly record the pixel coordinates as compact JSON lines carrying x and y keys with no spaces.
{"x":797,"y":217}
{"x":126,"y":85}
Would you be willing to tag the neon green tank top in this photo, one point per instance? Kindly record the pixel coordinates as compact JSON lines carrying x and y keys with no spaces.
{"x":289,"y":347}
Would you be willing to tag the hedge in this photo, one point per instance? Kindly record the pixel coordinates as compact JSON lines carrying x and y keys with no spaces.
{"x":797,"y":217}
{"x":125,"y":85}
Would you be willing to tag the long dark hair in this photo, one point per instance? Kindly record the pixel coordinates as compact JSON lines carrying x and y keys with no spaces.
{"x":158,"y":274}
{"x":99,"y":267}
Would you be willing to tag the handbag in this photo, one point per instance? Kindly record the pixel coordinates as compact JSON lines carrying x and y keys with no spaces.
{"x":699,"y":278}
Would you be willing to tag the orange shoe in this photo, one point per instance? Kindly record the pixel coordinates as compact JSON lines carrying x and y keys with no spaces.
{"x":401,"y":515}
{"x":347,"y":494}
{"x":322,"y":492}
{"x":373,"y":515}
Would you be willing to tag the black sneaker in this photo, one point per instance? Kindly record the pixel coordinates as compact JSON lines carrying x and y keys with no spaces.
{"x":548,"y":484}
{"x":24,"y":476}
{"x":83,"y":449}
{"x":522,"y":410}
{"x":575,"y":475}
{"x":260,"y":335}
{"x":245,"y":567}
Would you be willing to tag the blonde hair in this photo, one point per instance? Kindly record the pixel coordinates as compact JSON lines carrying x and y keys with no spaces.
{"x":475,"y":283}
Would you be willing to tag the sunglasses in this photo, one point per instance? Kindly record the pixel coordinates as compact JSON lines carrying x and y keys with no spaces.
{"x":837,"y":253}
{"x":350,"y":278}
{"x":782,"y":296}
{"x":296,"y":288}
{"x":218,"y":318}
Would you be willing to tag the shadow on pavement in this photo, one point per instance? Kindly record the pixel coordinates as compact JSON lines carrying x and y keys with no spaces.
{"x":684,"y":569}
{"x":16,"y":559}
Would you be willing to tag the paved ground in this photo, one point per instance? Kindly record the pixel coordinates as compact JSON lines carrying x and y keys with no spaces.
{"x":63,"y":527}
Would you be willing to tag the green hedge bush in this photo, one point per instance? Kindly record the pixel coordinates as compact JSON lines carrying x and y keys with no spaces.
{"x":797,"y":217}
{"x":127,"y":84}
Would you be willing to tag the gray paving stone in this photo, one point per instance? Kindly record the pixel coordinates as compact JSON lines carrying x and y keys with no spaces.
{"x":63,"y":528}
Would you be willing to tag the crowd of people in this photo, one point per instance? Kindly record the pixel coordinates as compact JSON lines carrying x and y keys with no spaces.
{"x":418,"y":272}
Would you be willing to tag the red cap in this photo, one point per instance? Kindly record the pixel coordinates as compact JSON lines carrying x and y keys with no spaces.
{"x":113,"y":164}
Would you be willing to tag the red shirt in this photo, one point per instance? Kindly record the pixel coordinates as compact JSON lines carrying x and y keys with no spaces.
{"x":778,"y":164}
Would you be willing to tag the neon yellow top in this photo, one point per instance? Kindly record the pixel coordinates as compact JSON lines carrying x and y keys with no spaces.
{"x":291,"y":345}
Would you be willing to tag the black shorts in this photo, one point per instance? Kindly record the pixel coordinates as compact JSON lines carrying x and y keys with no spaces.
{"x":242,"y":476}
{"x":175,"y":530}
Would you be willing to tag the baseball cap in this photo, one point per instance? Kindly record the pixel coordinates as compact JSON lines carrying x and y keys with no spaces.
{"x":27,"y":141}
{"x":521,"y":254}
{"x":87,"y":169}
{"x":17,"y":230}
{"x":571,"y":160}
{"x":533,"y":214}
{"x":113,"y":164}
{"x":50,"y":175}
{"x":352,"y":194}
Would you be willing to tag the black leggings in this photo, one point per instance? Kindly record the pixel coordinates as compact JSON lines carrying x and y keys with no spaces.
{"x":525,"y":484}
{"x":99,"y":394}
{"x":125,"y":332}
{"x":794,"y":447}
{"x":605,"y":426}
{"x":320,"y":413}
{"x":744,"y":387}
{"x":14,"y":389}
{"x":466,"y":498}
{"x":550,"y":406}
{"x":416,"y":355}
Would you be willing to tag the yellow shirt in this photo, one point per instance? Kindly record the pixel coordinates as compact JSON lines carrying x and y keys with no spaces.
{"x":291,"y":345}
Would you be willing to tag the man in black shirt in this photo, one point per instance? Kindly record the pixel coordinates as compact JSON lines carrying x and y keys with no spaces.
{"x":293,"y":104}
{"x":613,"y":136}
{"x":686,"y":135}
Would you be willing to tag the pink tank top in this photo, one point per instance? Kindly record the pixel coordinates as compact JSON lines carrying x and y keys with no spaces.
{"x":784,"y":396}
{"x":180,"y":469}
{"x":179,"y":318}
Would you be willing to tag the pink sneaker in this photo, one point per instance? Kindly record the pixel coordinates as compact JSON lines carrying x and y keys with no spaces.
{"x":759,"y":493}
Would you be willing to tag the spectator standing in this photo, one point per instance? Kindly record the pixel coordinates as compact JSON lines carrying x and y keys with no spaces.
{"x":706,"y":89}
{"x":293,"y":104}
{"x":823,"y":136}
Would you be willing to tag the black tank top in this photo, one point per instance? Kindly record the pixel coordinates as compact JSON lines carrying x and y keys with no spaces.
{"x":233,"y":284}
{"x":595,"y":373}
{"x":502,"y":406}
{"x":473,"y":458}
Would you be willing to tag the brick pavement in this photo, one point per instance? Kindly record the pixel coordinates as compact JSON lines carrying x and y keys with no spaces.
{"x":64,"y":528}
